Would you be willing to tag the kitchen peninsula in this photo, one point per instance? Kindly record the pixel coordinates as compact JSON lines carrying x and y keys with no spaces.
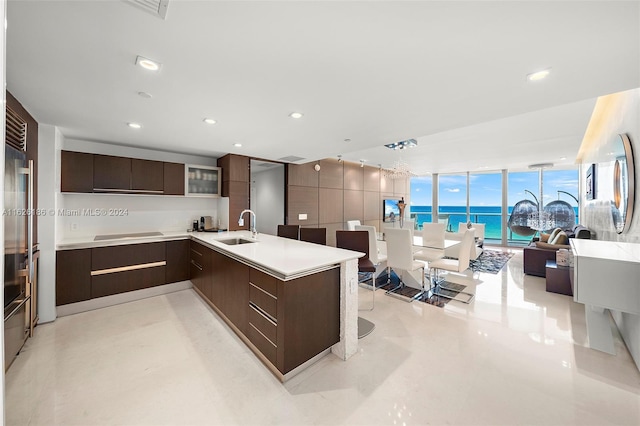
{"x":291,"y":302}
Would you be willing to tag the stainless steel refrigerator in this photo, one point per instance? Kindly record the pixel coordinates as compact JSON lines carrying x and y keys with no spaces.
{"x":18,"y":251}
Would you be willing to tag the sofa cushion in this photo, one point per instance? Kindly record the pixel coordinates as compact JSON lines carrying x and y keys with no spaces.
{"x":544,"y":237}
{"x":560,"y":238}
{"x":548,"y":246}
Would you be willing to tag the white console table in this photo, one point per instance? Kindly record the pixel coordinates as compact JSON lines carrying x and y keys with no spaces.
{"x":606,"y":277}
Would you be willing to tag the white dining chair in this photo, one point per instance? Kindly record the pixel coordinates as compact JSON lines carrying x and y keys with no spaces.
{"x":351,"y":225}
{"x":458,"y":265}
{"x":400,"y":257}
{"x":432,"y":242}
{"x":478,"y":240}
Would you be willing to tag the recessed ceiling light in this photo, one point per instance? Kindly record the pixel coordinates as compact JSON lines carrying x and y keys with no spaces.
{"x":237,"y":145}
{"x":539,"y":75}
{"x":148,"y":64}
{"x":296,"y":115}
{"x":134,"y":125}
{"x":209,"y":121}
{"x":144,"y":95}
{"x":563,"y":158}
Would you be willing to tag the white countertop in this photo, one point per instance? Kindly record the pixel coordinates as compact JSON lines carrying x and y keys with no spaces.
{"x":610,"y":250}
{"x":282,"y":257}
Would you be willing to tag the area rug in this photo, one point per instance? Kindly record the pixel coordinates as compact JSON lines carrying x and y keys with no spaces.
{"x":491,"y":261}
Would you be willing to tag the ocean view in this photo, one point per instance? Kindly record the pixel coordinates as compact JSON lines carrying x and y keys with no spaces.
{"x":489,"y":215}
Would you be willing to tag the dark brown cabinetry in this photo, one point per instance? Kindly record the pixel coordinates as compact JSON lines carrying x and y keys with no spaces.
{"x":288,"y":322}
{"x":201,"y":268}
{"x":111,"y":173}
{"x":235,"y":185}
{"x":177,"y":255}
{"x":173,"y":179}
{"x":233,"y":277}
{"x":102,"y":271}
{"x":76,"y":172}
{"x":83,"y":172}
{"x":73,"y":276}
{"x":120,"y":269}
{"x":147,"y":175}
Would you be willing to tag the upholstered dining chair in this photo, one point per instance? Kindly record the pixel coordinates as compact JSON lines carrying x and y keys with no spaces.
{"x":351,"y":225}
{"x":432,"y":241}
{"x":289,"y":231}
{"x":359,"y":241}
{"x":400,"y":257}
{"x":378,"y":259}
{"x":458,"y":265}
{"x":314,"y":235}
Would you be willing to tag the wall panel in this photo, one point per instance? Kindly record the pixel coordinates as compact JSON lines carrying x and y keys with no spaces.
{"x":303,"y":200}
{"x":331,"y":174}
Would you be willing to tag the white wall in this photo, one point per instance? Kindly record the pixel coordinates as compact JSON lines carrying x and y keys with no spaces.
{"x":267,"y":199}
{"x":49,"y":143}
{"x":620,"y":114}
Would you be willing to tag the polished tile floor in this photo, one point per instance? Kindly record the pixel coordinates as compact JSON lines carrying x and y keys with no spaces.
{"x":515,"y":355}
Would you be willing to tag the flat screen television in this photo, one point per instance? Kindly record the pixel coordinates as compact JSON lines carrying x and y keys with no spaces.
{"x":390,"y":210}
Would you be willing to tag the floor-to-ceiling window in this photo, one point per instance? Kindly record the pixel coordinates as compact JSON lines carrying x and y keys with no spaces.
{"x":421,"y":200}
{"x":485,"y":204}
{"x":478,"y":197}
{"x":452,"y":200}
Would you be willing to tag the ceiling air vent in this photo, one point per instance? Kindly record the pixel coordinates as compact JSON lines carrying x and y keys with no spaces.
{"x":16,"y":130}
{"x":154,"y":7}
{"x":290,"y":159}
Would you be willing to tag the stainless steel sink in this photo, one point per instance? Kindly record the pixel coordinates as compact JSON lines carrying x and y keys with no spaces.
{"x":236,"y":241}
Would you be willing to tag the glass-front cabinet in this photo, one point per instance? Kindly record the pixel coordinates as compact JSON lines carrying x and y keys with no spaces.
{"x":202,"y":181}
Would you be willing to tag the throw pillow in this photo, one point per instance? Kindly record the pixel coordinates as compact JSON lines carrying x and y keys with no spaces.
{"x":544,"y":237}
{"x":561,"y":238}
{"x":553,"y":235}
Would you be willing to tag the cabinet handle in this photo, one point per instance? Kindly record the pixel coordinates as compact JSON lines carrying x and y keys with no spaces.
{"x":196,"y":265}
{"x":263,"y":314}
{"x":128,"y":268}
{"x":196,"y":252}
{"x":129,"y":191}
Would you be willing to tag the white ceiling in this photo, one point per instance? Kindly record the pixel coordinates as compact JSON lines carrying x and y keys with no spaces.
{"x":451,"y":74}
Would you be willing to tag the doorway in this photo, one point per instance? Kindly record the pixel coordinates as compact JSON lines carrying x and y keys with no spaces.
{"x":267,"y":195}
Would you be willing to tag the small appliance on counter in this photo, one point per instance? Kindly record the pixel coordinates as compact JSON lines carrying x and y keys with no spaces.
{"x":206,"y":225}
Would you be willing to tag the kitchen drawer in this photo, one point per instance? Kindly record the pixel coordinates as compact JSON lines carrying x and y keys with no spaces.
{"x":267,"y":348}
{"x":264,"y":281}
{"x":121,"y":282}
{"x":197,"y":252}
{"x":264,"y":324}
{"x":265,"y":301}
{"x":133,"y":254}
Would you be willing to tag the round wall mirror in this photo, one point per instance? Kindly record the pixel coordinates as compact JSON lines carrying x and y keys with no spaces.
{"x":623,"y":183}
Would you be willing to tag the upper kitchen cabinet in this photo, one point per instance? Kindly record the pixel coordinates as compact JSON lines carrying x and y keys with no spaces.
{"x":111,"y":173}
{"x":174,"y":179}
{"x":76,"y":172}
{"x":202,"y":181}
{"x":85,"y":172}
{"x":147,"y":175}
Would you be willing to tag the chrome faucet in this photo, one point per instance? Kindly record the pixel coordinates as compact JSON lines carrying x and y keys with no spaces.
{"x":254,"y":232}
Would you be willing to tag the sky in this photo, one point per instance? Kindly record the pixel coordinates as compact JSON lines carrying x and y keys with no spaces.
{"x":486,"y":188}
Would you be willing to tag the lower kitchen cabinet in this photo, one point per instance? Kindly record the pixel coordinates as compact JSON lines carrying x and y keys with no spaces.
{"x":288,"y":322}
{"x":177,"y":255}
{"x":231,"y":279}
{"x":73,"y":276}
{"x":90,"y":273}
{"x":201,"y":268}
